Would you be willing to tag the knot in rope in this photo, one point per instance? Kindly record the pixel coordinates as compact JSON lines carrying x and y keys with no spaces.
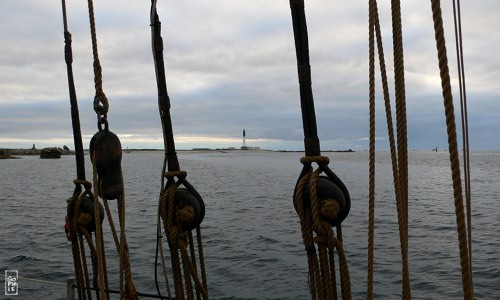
{"x":329,"y":208}
{"x":327,"y":241}
{"x":185,"y":215}
{"x":101,"y":104}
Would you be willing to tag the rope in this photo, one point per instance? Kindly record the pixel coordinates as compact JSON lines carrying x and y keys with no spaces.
{"x":99,"y":109}
{"x":371,"y":179}
{"x":402,"y":200}
{"x":399,"y":157}
{"x":465,"y":125}
{"x":314,"y":214}
{"x":312,"y":219}
{"x":184,"y":264}
{"x":99,"y":236}
{"x":178,"y":240}
{"x":452,"y":148}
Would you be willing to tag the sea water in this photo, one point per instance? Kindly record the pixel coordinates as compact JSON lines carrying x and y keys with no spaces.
{"x":251,"y":232}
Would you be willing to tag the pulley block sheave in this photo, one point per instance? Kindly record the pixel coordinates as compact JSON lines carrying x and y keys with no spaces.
{"x":189,"y":209}
{"x":106,"y":152}
{"x":86,"y":213}
{"x":333,"y":197}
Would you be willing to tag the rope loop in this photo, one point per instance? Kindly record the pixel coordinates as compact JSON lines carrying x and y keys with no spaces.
{"x":320,"y":160}
{"x":85,"y":183}
{"x":172,"y":174}
{"x":101,"y":104}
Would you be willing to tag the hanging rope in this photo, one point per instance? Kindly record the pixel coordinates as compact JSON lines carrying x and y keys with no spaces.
{"x":80,"y":215}
{"x":181,"y":209}
{"x":452,"y":148}
{"x":402,"y":144}
{"x":399,"y":155}
{"x":321,"y":202}
{"x":371,"y":176}
{"x":465,"y":126}
{"x":105,"y":152}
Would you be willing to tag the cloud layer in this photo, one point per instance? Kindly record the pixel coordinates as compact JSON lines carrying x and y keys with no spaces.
{"x":231,"y":65}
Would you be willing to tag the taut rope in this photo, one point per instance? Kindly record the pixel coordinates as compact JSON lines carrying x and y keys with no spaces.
{"x":105,"y":152}
{"x":465,"y":125}
{"x":399,"y":158}
{"x":182,"y":209}
{"x":80,"y":217}
{"x":321,"y":202}
{"x":452,"y":148}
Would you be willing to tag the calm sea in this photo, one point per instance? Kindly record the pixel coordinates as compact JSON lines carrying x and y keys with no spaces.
{"x":252,"y":237}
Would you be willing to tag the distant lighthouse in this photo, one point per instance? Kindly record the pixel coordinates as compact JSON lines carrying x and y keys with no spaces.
{"x":244,"y":147}
{"x":244,"y":140}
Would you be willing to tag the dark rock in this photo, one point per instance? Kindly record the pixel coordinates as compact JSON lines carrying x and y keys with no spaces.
{"x":5,"y":155}
{"x":51,"y":153}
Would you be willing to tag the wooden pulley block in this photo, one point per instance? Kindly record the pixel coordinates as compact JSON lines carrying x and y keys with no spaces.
{"x":189,"y":209}
{"x":86,"y":209}
{"x":106,"y":152}
{"x":327,"y":193}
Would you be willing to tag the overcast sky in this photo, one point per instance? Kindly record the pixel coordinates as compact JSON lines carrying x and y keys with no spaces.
{"x":231,"y":65}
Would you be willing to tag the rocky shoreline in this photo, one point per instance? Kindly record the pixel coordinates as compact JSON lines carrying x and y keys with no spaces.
{"x":49,"y":152}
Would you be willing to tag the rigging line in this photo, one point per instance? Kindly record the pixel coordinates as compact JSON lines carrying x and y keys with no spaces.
{"x":163,"y":98}
{"x":65,"y":21}
{"x":168,"y":141}
{"x":402,"y":143}
{"x":79,"y":155}
{"x":371,"y":197}
{"x":452,"y":148}
{"x":75,"y":117}
{"x":465,"y":126}
{"x":311,"y":140}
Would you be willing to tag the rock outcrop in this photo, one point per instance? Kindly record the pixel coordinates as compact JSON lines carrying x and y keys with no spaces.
{"x":51,"y":152}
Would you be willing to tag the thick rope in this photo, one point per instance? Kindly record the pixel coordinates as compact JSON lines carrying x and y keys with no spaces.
{"x":371,"y":176}
{"x":402,"y":200}
{"x":452,"y":148}
{"x":321,"y":273}
{"x":178,"y":240}
{"x":399,"y":157}
{"x":102,"y":110}
{"x":99,"y":236}
{"x":75,"y":247}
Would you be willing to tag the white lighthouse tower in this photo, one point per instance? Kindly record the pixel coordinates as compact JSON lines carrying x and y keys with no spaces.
{"x":244,"y":147}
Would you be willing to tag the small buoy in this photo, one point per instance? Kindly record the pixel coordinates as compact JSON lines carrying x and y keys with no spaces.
{"x":327,"y":192}
{"x":106,"y":152}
